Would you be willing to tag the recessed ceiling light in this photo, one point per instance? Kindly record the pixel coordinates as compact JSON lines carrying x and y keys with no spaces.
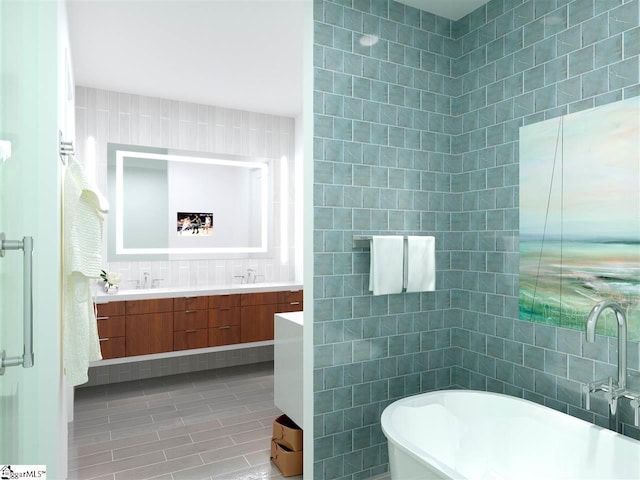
{"x":368,"y":40}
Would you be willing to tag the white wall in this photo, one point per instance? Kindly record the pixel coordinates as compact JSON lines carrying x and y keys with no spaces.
{"x":140,"y":120}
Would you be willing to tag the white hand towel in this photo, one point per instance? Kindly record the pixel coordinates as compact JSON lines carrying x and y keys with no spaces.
{"x":421,"y":264}
{"x":387,"y":258}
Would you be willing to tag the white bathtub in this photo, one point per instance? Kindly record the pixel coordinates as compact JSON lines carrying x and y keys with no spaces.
{"x":464,"y":434}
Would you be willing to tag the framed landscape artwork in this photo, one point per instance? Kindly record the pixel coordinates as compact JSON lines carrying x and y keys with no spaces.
{"x":580,"y":216}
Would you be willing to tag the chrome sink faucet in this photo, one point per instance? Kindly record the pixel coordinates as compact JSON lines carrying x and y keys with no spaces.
{"x":251,"y":275}
{"x":614,"y":389}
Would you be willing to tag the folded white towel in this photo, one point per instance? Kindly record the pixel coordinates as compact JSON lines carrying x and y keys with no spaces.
{"x":387,"y":258}
{"x":421,"y":264}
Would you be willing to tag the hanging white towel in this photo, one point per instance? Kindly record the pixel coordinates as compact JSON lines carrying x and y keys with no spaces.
{"x":387,"y":258}
{"x":83,"y":209}
{"x":421,"y":264}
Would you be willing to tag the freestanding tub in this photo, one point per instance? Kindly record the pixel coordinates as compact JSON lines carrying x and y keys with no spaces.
{"x":465,"y":434}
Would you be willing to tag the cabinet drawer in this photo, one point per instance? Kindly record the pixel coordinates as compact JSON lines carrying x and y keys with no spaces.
{"x":111,"y":326}
{"x":224,"y":301}
{"x":290,"y":296}
{"x":110,"y":309}
{"x":189,"y":320}
{"x":112,"y":347}
{"x":290,"y":307}
{"x":190,"y":303}
{"x":192,"y":338}
{"x":221,"y":317}
{"x":227,"y":335}
{"x":158,"y":305}
{"x":259,"y":298}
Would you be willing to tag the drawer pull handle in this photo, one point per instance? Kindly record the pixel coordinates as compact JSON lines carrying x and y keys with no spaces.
{"x":225,"y":328}
{"x":104,"y":339}
{"x":190,"y":331}
{"x":102,"y":318}
{"x":190,"y":311}
{"x":294,"y":303}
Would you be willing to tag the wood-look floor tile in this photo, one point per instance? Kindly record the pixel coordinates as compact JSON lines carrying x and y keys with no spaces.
{"x":138,"y":398}
{"x":80,"y":451}
{"x":89,"y":460}
{"x":182,"y":413}
{"x":117,"y":466}
{"x":218,"y":415}
{"x":200,"y":447}
{"x":160,"y":468}
{"x":148,"y":447}
{"x":235,"y":450}
{"x":259,"y":458}
{"x":224,"y":467}
{"x":79,"y":440}
{"x":213,"y":424}
{"x":112,"y":426}
{"x":171,"y":401}
{"x":149,"y":427}
{"x":141,"y":412}
{"x":251,"y":416}
{"x":250,"y":435}
{"x":264,"y":471}
{"x":90,"y":422}
{"x":220,"y":431}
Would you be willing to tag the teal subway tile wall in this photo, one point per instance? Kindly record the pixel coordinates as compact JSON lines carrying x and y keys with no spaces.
{"x":418,"y":133}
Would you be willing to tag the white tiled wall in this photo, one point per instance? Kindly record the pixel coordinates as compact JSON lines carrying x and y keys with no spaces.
{"x":139,"y":120}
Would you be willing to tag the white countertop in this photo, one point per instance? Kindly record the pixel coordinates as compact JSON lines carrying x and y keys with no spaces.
{"x":170,"y":292}
{"x":295,"y":317}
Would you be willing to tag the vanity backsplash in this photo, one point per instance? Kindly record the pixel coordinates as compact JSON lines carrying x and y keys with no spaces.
{"x":200,"y":273}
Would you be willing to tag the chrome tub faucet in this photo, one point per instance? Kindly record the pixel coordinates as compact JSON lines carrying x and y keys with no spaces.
{"x":614,"y":389}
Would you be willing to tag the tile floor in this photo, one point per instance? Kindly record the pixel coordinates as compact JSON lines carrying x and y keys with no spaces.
{"x":213,"y":424}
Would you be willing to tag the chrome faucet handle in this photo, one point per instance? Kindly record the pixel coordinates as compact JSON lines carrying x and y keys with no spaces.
{"x":155,"y":282}
{"x":604,"y":385}
{"x":241,"y":277}
{"x":136,"y":284}
{"x":612,"y":394}
{"x":635,"y":404}
{"x":586,"y":389}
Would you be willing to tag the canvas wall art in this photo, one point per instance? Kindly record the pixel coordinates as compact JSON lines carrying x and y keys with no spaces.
{"x":580,"y":216}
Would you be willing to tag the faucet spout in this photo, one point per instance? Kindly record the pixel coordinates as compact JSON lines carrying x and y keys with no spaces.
{"x":592,"y":320}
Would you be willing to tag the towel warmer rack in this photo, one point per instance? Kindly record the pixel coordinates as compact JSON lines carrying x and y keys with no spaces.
{"x":66,"y":148}
{"x":364,"y":241}
{"x":27,"y":358}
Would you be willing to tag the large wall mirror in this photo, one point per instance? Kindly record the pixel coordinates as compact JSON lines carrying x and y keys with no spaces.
{"x":170,"y":204}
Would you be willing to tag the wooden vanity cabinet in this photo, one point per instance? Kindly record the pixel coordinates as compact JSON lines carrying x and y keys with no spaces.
{"x":111,"y":329}
{"x":190,"y":323}
{"x":149,"y":326}
{"x":142,"y":327}
{"x":256,"y":316}
{"x":224,"y":320}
